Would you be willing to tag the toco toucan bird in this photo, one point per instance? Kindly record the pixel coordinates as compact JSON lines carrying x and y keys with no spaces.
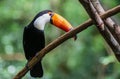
{"x":34,"y":39}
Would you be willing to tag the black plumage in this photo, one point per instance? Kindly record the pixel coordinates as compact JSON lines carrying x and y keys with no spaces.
{"x":33,"y":42}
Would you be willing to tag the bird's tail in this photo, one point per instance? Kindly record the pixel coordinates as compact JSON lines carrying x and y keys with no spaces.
{"x":37,"y":70}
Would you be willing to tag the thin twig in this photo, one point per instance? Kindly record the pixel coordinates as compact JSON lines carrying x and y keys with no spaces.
{"x":63,"y":38}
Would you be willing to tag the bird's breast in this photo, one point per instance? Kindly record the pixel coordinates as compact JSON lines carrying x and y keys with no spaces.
{"x":33,"y":40}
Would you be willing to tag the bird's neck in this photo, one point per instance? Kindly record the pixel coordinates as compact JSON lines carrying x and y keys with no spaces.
{"x":40,"y":25}
{"x":40,"y":22}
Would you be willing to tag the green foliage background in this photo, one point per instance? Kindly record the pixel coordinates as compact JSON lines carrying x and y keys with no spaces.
{"x":89,"y":57}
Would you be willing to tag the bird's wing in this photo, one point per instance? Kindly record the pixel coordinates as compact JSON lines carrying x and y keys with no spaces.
{"x":24,"y":42}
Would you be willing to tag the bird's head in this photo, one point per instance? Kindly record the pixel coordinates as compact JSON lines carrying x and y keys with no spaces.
{"x":47,"y":16}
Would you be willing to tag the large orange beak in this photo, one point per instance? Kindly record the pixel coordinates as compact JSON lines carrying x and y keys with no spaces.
{"x":61,"y":23}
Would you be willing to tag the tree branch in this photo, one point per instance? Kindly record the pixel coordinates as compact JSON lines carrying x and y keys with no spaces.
{"x":11,"y":57}
{"x":96,"y":17}
{"x":61,"y":39}
{"x":108,"y":21}
{"x":105,"y":33}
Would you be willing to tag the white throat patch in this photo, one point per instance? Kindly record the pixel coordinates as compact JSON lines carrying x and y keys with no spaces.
{"x":40,"y":22}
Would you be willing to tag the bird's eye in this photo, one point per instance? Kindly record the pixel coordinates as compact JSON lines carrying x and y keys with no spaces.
{"x":50,"y":13}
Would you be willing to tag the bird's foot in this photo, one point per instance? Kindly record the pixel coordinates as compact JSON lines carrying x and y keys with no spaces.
{"x":75,"y":37}
{"x":27,"y":66}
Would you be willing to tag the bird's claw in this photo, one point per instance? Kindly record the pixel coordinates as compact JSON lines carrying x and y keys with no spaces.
{"x":75,"y":37}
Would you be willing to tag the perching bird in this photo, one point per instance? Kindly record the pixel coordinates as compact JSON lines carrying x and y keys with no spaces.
{"x":34,"y":39}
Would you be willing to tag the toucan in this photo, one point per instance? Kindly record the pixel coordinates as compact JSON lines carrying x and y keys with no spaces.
{"x":34,"y":39}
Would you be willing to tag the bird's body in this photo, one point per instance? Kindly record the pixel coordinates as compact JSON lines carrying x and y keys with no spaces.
{"x":34,"y":39}
{"x":33,"y":42}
